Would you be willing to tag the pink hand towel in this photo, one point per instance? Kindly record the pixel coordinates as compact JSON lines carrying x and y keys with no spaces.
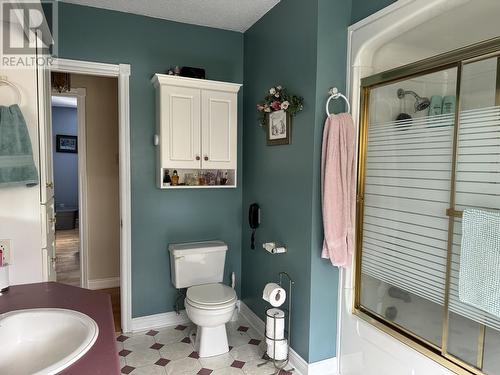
{"x":338,"y":179}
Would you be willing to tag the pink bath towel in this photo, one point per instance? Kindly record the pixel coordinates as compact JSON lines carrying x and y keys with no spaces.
{"x":338,"y":178}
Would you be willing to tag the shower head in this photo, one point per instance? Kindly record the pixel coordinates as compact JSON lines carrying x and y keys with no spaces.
{"x":421,"y":103}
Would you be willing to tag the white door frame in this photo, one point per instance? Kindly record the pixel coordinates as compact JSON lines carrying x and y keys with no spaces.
{"x":79,"y":94}
{"x":122,"y":72}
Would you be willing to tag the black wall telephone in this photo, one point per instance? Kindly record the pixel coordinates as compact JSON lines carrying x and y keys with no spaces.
{"x":253,"y":221}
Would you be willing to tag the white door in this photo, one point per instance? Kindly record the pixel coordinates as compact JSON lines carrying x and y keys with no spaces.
{"x":45,"y":128}
{"x":46,"y":172}
{"x":48,"y":241}
{"x":180,"y":127}
{"x":219,"y":129}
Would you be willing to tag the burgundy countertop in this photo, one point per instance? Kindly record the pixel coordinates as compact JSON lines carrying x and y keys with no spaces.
{"x":102,"y":358}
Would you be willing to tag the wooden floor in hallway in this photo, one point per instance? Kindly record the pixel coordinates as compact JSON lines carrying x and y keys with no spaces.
{"x":68,"y":256}
{"x":115,"y":302}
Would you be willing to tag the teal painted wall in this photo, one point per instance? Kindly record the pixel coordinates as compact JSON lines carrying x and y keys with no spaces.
{"x":333,"y":20}
{"x":280,"y":178}
{"x":160,"y":217}
{"x":364,"y":8}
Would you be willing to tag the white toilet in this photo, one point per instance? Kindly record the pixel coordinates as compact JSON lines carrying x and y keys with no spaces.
{"x":199,"y":266}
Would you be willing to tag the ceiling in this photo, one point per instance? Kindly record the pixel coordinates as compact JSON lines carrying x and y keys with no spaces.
{"x":234,"y":15}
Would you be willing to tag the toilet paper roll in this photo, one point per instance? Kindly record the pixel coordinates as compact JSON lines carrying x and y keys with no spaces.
{"x":281,"y":349}
{"x":274,"y":294}
{"x":275,"y":316}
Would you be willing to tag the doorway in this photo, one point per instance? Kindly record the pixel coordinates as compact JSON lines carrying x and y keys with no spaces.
{"x":85,"y":159}
{"x":66,"y":160}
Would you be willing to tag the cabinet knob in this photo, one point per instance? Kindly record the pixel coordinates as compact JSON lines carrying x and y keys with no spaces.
{"x":49,"y":185}
{"x":205,"y":158}
{"x":198,"y":157}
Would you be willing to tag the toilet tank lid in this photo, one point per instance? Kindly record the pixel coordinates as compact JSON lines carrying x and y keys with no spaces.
{"x":201,"y":247}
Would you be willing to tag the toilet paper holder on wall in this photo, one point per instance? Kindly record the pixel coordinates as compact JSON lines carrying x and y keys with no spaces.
{"x":287,"y":336}
{"x":274,"y":248}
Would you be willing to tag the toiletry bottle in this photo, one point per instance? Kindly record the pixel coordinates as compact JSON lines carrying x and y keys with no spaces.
{"x":449,"y":103}
{"x":166,"y":178}
{"x":201,"y":179}
{"x":175,"y":178}
{"x":223,"y":180}
{"x":435,"y":108}
{"x":218,"y":177}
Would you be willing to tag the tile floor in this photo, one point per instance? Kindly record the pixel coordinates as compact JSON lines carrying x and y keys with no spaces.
{"x":169,"y":351}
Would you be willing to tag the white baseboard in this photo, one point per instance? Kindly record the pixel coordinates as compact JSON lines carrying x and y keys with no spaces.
{"x":325,"y":367}
{"x":159,"y":320}
{"x":109,"y":282}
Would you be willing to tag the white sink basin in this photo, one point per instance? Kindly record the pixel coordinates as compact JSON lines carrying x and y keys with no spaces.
{"x":44,"y":341}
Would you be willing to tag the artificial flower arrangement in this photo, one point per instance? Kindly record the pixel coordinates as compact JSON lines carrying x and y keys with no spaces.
{"x":279,"y":99}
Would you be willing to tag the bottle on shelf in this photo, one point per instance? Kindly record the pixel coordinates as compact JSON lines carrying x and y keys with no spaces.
{"x":223,"y":180}
{"x":175,"y":178}
{"x":166,"y":177}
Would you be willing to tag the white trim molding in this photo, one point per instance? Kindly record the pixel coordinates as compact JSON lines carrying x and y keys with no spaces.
{"x":144,"y":323}
{"x":326,"y":367}
{"x":108,"y":282}
{"x":86,"y":67}
{"x":122,"y":72}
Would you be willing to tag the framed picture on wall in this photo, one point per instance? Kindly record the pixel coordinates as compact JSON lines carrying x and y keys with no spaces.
{"x":279,"y":127}
{"x":67,"y":143}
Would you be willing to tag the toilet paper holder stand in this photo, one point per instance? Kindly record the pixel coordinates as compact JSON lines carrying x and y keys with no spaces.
{"x":281,"y":364}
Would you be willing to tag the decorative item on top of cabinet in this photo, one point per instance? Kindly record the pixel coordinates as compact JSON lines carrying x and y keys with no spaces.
{"x":197,"y":122}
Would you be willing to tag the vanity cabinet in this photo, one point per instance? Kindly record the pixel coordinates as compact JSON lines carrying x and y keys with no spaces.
{"x":196,"y":134}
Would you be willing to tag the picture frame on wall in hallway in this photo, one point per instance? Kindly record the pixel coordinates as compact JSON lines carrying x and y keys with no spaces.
{"x":279,"y":126}
{"x":67,"y":143}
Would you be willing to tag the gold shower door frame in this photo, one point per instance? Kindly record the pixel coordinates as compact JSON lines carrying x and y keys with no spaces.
{"x":454,"y":59}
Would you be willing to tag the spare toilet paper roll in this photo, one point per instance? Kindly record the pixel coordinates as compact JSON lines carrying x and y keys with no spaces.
{"x":275,"y":316}
{"x":281,"y":349}
{"x":274,"y":294}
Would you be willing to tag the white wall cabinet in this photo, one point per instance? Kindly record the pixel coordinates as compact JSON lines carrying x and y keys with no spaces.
{"x":197,"y":122}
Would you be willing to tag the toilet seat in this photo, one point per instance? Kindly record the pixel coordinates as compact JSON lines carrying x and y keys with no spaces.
{"x":211,"y":296}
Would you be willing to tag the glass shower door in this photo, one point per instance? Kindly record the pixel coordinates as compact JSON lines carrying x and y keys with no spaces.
{"x":473,"y":334}
{"x":407,"y":181}
{"x":430,"y":149}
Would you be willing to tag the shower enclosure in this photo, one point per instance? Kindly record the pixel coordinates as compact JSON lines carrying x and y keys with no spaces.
{"x":429,"y":148}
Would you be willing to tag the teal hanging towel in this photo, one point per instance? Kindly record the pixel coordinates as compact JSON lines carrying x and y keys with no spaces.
{"x":16,"y":155}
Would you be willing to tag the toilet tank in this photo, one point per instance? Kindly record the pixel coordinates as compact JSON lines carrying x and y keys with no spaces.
{"x":196,"y":263}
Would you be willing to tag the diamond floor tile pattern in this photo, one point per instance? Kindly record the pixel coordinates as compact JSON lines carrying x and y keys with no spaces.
{"x":169,"y":351}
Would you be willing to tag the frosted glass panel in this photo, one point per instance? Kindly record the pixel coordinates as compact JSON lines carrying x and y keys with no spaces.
{"x":407,"y":191}
{"x":477,"y":186}
{"x":406,"y":279}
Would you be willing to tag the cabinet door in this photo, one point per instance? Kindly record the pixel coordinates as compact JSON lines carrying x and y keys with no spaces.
{"x":219,"y":129}
{"x":180,"y":127}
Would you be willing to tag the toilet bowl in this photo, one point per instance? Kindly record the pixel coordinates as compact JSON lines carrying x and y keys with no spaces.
{"x":199,"y":267}
{"x":210,"y":307}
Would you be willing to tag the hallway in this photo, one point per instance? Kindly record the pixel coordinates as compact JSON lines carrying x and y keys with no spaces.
{"x":68,"y":256}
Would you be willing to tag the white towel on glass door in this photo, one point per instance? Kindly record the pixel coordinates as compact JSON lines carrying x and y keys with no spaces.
{"x":479,"y":278}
